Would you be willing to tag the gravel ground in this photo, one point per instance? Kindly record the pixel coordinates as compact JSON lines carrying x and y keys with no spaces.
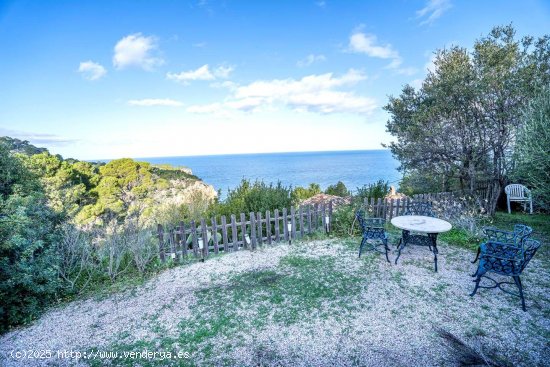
{"x":390,"y":320}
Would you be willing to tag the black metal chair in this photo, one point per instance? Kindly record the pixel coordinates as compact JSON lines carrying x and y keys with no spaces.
{"x":505,"y":259}
{"x":429,"y":240}
{"x":373,"y":230}
{"x":514,"y":238}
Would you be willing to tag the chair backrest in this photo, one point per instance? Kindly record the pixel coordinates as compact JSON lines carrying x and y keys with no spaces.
{"x":420,"y":208}
{"x":367,"y":223}
{"x":516,"y":191}
{"x":515,"y":238}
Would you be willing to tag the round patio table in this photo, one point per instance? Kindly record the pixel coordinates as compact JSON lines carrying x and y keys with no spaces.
{"x":428,"y":227}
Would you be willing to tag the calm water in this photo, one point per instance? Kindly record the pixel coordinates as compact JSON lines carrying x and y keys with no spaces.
{"x":354,"y":168}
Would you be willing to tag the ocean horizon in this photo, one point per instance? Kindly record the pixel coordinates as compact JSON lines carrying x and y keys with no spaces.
{"x":354,"y":168}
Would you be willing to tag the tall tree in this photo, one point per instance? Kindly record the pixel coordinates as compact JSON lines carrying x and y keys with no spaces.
{"x":461,"y":124}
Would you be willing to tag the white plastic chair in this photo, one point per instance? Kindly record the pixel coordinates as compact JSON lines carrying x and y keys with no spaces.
{"x":519,"y":193}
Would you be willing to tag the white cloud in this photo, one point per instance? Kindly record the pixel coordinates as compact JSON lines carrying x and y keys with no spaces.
{"x":433,"y":10}
{"x":223,"y":72}
{"x":430,"y":65}
{"x":155,"y":102}
{"x":314,"y":93}
{"x":322,"y":4}
{"x":91,"y":70}
{"x":136,"y":50}
{"x":407,"y":71}
{"x":360,"y":42}
{"x":310,"y":59}
{"x":202,"y":73}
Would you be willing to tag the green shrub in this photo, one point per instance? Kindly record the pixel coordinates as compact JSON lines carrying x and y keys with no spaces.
{"x":532,"y":150}
{"x":338,"y":190}
{"x":377,"y":190}
{"x":300,"y":194}
{"x":28,"y":263}
{"x":253,"y":197}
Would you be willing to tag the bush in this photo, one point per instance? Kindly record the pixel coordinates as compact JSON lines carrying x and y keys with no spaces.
{"x":300,"y":194}
{"x":376,"y":190}
{"x":28,"y":264}
{"x":532,"y":150}
{"x":338,"y":190}
{"x":253,"y":197}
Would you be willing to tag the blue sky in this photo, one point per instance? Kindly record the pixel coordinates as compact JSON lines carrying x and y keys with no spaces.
{"x":110,"y":79}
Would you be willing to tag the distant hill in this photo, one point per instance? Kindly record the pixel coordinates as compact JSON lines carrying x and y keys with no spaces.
{"x":21,"y":146}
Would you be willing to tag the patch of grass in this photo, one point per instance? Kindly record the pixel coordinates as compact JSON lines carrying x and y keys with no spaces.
{"x":461,"y":238}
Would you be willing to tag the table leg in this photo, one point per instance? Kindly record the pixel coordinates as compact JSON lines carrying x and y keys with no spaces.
{"x":433,"y":247}
{"x":402,"y":243}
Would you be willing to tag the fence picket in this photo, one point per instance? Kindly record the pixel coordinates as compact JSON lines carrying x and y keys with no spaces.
{"x":285,"y":227}
{"x":243,"y":230}
{"x":234,"y":236}
{"x":205,"y":241}
{"x":301,"y":214}
{"x":224,"y":234}
{"x":268,"y":226}
{"x":160,"y":230}
{"x":253,"y":239}
{"x":215,"y":235}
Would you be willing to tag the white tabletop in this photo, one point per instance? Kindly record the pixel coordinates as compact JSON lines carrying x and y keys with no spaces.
{"x":420,"y":223}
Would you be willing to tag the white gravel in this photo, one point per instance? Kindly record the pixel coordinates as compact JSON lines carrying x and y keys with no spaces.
{"x":392,"y":320}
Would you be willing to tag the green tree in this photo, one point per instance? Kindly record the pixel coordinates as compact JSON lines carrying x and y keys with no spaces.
{"x":28,"y":265}
{"x":460,"y":126}
{"x":339,"y":190}
{"x":533,"y":150}
{"x":301,"y":193}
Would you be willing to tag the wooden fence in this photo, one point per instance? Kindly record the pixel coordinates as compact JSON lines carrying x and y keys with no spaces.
{"x":256,"y":228}
{"x":247,"y":232}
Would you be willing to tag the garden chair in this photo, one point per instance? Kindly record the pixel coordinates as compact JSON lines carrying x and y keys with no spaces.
{"x":420,"y":208}
{"x":515,"y":238}
{"x":373,"y":230}
{"x":519,"y":193}
{"x":505,"y":259}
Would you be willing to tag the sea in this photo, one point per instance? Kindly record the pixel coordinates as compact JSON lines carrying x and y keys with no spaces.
{"x":354,"y":168}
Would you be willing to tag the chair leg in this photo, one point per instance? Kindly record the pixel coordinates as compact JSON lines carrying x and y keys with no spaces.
{"x":477,"y":255}
{"x":508,"y":202}
{"x":478,"y":279}
{"x":400,"y":246}
{"x":387,"y":250}
{"x":517,"y":280}
{"x":363,"y":241}
{"x":530,"y":206}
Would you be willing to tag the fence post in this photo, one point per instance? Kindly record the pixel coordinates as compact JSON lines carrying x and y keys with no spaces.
{"x":309,"y":229}
{"x":194,"y":238}
{"x":330,"y":211}
{"x":252,"y":231}
{"x":234,"y":236}
{"x":397,"y":207}
{"x":285,"y":227}
{"x":224,"y":234}
{"x":204,"y":238}
{"x":160,"y":231}
{"x":293,"y":223}
{"x":277,"y":226}
{"x":260,"y":229}
{"x":215,"y":235}
{"x":243,"y":230}
{"x":324,"y":217}
{"x":183,"y":240}
{"x":268,"y":226}
{"x":301,"y":214}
